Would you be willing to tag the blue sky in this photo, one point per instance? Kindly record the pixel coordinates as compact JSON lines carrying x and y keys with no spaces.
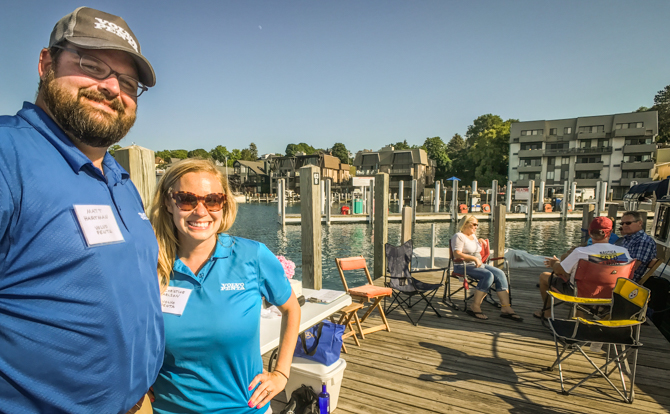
{"x":364,"y":73}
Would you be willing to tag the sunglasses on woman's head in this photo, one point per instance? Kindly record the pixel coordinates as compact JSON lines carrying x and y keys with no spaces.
{"x":188,"y":201}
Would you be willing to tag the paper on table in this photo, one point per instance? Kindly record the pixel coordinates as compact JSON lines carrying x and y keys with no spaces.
{"x":325,"y":295}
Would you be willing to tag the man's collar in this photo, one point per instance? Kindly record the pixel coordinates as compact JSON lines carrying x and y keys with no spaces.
{"x":638,"y":233}
{"x":76,"y":159}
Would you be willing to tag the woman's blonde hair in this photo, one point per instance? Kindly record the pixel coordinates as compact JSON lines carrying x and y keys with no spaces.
{"x":465,"y":220}
{"x":161,"y":218}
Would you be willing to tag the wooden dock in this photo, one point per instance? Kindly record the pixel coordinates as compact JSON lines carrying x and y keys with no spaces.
{"x":457,"y":364}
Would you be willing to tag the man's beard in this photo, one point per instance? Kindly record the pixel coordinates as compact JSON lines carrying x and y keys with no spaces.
{"x":83,"y":122}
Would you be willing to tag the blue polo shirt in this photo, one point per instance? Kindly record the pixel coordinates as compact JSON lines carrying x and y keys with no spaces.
{"x":81,"y":329}
{"x":212,"y":350}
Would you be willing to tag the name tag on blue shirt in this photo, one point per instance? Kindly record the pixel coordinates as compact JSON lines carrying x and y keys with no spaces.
{"x":98,"y":224}
{"x":174,"y":300}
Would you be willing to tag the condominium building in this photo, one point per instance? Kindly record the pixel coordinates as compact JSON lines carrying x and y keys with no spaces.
{"x":618,"y":149}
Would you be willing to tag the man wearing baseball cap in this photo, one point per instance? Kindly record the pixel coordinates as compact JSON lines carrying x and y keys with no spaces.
{"x":601,"y":251}
{"x":80,"y":314}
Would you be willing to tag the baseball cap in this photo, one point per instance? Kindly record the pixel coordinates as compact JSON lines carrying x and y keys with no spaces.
{"x":601,"y":223}
{"x":93,"y":29}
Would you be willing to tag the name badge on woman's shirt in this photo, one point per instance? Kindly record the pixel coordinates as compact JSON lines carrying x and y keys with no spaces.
{"x":98,"y":224}
{"x":174,"y":300}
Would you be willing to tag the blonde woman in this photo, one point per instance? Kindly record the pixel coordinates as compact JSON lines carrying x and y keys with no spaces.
{"x":212,"y":343}
{"x":467,"y":247}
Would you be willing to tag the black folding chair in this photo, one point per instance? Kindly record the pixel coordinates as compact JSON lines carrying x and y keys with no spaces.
{"x":405,"y":286}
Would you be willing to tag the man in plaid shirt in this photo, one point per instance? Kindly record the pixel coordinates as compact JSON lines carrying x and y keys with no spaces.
{"x":640,"y":245}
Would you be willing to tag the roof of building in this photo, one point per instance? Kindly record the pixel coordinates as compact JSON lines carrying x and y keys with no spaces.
{"x":257,"y":167}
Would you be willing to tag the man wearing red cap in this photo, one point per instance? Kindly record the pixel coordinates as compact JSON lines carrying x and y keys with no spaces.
{"x":601,"y":251}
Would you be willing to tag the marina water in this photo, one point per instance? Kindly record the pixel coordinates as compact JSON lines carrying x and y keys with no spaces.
{"x":258,"y":221}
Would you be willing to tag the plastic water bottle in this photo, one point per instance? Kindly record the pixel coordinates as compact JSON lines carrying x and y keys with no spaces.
{"x":324,"y":401}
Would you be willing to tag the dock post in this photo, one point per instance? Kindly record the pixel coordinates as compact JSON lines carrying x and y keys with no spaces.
{"x":508,"y":196}
{"x":531,"y":193}
{"x":282,"y":202}
{"x":603,"y":196}
{"x":371,"y":202}
{"x":436,"y":201}
{"x":454,"y":201}
{"x":587,"y":218}
{"x":310,"y":225}
{"x":564,"y":202}
{"x":278,"y":192}
{"x":573,"y":195}
{"x":401,"y":195}
{"x":406,"y":226}
{"x":433,"y":231}
{"x":500,"y":214}
{"x":329,"y":200}
{"x":413,"y":201}
{"x":612,"y":214}
{"x":381,"y":230}
{"x":139,"y":162}
{"x":643,"y":216}
{"x":540,"y":202}
{"x":322,"y":193}
{"x":494,"y":194}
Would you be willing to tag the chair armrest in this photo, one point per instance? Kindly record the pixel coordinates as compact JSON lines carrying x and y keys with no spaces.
{"x":493,"y":259}
{"x":574,"y":299}
{"x":611,"y":324}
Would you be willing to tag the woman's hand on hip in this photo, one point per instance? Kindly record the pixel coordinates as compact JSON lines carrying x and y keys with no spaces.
{"x":269,"y":385}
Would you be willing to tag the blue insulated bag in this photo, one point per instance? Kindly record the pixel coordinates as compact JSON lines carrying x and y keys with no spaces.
{"x":321,"y":343}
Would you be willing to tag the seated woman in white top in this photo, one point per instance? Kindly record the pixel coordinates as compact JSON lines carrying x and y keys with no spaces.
{"x":466,"y":247}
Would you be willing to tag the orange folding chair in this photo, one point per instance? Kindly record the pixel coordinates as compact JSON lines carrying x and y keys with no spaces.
{"x":365,"y":293}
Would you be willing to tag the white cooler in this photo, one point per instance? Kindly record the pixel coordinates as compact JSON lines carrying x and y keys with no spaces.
{"x":314,"y":374}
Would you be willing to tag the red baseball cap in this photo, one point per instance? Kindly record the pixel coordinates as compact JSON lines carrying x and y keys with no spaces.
{"x":601,"y":223}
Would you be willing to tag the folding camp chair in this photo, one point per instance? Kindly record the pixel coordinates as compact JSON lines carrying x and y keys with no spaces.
{"x":594,"y":280}
{"x":466,"y":281}
{"x":346,"y":315}
{"x":365,"y":293}
{"x":405,"y":286}
{"x":628,"y":307}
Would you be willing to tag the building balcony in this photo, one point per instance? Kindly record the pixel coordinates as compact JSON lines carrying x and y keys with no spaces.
{"x":641,"y":148}
{"x":637,"y":165}
{"x":594,"y":150}
{"x":592,"y":135}
{"x":559,"y":138}
{"x":589,"y":166}
{"x":529,"y":168}
{"x":625,"y":182}
{"x":532,"y":138}
{"x":521,"y":183}
{"x":630,"y":132}
{"x":530,"y":153}
{"x":402,"y":171}
{"x":586,"y":182}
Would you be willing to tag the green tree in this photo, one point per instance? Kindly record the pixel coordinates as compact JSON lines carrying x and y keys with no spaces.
{"x":165,"y":155}
{"x":247,"y":155}
{"x":219,"y":153}
{"x":437,"y":150}
{"x":180,"y":153}
{"x":399,"y":146}
{"x":254,"y":151}
{"x":292,"y":149}
{"x":341,"y":152}
{"x":455,"y":145}
{"x":662,"y":105}
{"x":234,"y":156}
{"x":199,"y":153}
{"x":113,"y":149}
{"x":642,"y":109}
{"x":489,"y":151}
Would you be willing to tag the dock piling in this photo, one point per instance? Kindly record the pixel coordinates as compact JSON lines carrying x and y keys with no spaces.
{"x":329,"y":200}
{"x":413,"y":201}
{"x":406,"y":225}
{"x":603,"y":196}
{"x":381,"y":211}
{"x":500,"y":214}
{"x":573,"y":195}
{"x":436,"y":201}
{"x":494,"y":194}
{"x":401,"y":195}
{"x":540,"y":202}
{"x":564,"y":202}
{"x":310,"y":227}
{"x":508,"y":196}
{"x":531,"y":194}
{"x":587,"y":218}
{"x":139,"y":162}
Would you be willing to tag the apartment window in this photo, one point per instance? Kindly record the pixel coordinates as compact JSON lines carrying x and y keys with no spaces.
{"x":531,"y":146}
{"x":532,"y":132}
{"x":637,"y":158}
{"x":564,"y":175}
{"x":635,"y":174}
{"x":567,"y":130}
{"x":530,"y":162}
{"x":585,"y":143}
{"x":588,"y":160}
{"x":630,"y":125}
{"x":588,"y":175}
{"x":591,"y":129}
{"x":553,"y":131}
{"x":602,"y":143}
{"x":565,"y":161}
{"x":523,"y":176}
{"x":533,"y":176}
{"x":550,"y":175}
{"x":551,"y":160}
{"x":638,"y":141}
{"x":557,"y":147}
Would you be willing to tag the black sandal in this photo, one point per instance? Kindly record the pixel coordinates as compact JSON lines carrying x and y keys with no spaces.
{"x":475,"y":315}
{"x":512,"y":316}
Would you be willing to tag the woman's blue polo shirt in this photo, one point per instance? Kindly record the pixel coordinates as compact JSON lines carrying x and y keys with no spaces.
{"x":212,"y":350}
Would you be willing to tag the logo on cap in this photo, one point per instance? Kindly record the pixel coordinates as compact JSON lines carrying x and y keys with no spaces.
{"x":119,"y":31}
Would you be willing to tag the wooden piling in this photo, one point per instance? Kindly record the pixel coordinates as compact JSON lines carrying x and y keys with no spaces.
{"x":413,"y":201}
{"x":310,"y":226}
{"x":500,"y":216}
{"x":406,"y":226}
{"x":140,"y":164}
{"x":587,"y":218}
{"x":531,"y":194}
{"x":381,"y":199}
{"x":329,"y":200}
{"x":612,"y":213}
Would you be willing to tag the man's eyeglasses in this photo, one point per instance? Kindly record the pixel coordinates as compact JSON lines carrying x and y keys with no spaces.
{"x":98,"y":69}
{"x":628,"y":223}
{"x":188,"y":201}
